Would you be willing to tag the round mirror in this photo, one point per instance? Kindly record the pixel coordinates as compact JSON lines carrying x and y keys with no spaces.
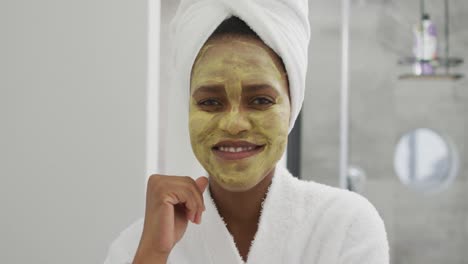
{"x":425,"y":160}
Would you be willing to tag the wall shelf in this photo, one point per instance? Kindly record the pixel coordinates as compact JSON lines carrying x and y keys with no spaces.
{"x":431,"y":77}
{"x":445,"y":63}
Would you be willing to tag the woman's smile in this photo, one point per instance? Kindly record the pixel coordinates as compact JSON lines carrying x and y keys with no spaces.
{"x":229,"y":150}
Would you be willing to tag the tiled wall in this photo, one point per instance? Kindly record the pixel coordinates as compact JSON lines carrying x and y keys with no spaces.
{"x":422,"y":228}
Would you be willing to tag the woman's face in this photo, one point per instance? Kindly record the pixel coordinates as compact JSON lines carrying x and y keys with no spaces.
{"x":239,"y":95}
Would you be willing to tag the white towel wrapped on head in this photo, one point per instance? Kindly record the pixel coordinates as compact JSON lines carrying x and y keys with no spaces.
{"x":282,"y":24}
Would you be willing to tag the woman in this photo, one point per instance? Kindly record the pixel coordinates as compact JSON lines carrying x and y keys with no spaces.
{"x":249,"y":209}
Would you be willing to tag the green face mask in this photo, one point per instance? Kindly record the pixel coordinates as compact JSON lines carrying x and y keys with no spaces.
{"x":238,"y":92}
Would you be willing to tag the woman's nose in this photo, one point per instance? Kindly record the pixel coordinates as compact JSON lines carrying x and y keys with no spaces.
{"x":235,"y":122}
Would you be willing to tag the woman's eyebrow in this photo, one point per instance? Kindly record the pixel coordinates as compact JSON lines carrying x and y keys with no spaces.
{"x":213,"y":89}
{"x":254,"y":88}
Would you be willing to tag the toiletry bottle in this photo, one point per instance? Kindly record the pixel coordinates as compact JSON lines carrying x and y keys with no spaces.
{"x":425,"y":46}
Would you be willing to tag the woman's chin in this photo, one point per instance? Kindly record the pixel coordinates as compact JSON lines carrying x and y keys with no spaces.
{"x":234,"y":184}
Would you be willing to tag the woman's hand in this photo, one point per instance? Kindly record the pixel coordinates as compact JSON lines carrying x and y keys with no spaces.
{"x":171,"y":201}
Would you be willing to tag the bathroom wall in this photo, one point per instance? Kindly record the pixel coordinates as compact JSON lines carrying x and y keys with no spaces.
{"x":72,"y":131}
{"x":174,"y":134}
{"x":421,"y":228}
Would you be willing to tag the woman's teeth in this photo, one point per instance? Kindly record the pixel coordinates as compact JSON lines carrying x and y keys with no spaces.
{"x":238,"y":149}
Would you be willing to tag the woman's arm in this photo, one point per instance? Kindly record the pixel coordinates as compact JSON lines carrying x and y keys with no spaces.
{"x":171,"y":202}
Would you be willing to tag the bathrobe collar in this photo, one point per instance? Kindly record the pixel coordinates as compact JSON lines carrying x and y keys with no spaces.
{"x":272,"y":232}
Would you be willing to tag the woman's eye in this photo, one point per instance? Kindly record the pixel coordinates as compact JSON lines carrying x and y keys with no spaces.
{"x":261,"y":100}
{"x":209,"y":102}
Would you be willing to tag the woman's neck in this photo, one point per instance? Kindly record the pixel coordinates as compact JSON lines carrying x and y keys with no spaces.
{"x":241,"y":208}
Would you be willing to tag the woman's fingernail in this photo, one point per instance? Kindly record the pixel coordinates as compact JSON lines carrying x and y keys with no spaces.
{"x":190,"y":216}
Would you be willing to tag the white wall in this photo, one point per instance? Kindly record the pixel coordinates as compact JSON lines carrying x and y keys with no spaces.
{"x":177,"y":157}
{"x":72,"y":131}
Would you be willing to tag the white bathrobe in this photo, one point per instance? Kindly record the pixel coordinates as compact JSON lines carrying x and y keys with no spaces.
{"x":300,"y":222}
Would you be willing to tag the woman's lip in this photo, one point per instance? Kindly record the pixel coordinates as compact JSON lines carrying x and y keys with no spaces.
{"x":237,"y":155}
{"x":235,"y":144}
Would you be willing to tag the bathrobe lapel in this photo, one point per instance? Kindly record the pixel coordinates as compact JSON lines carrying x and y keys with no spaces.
{"x":276,"y":221}
{"x":274,"y":226}
{"x":219,"y":244}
